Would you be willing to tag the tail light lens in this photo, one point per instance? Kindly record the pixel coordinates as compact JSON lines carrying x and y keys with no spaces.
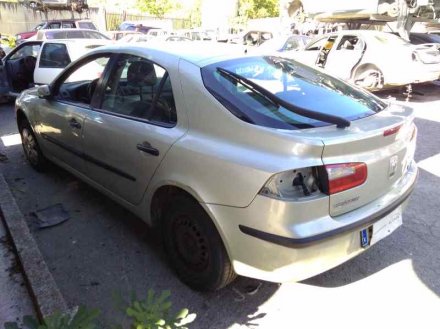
{"x":305,"y":182}
{"x":344,"y":176}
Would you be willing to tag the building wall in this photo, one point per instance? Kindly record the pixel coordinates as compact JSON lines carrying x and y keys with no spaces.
{"x":15,"y":18}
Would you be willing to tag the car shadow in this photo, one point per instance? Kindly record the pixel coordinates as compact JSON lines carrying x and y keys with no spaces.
{"x":420,"y":93}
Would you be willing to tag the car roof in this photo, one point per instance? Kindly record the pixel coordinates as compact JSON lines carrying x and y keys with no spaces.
{"x":67,"y":20}
{"x":67,"y":30}
{"x":84,"y":41}
{"x":196,"y":52}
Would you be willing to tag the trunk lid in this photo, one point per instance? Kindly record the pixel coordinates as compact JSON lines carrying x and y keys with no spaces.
{"x":385,"y":154}
{"x":428,"y":53}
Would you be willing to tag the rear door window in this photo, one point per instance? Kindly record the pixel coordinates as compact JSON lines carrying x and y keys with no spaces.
{"x":141,"y":89}
{"x":54,"y":55}
{"x":87,"y":25}
{"x":55,"y":25}
{"x":317,"y":45}
{"x":68,"y":25}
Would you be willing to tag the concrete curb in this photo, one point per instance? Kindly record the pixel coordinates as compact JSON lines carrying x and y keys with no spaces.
{"x":46,"y":296}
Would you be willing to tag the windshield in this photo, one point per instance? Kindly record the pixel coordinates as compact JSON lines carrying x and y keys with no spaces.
{"x":292,"y":82}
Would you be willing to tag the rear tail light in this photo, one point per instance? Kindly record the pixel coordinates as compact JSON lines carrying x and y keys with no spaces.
{"x":344,"y":176}
{"x":305,"y":182}
{"x":392,"y":131}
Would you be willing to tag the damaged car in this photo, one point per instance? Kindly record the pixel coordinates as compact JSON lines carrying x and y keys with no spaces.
{"x":252,"y":165}
{"x":372,"y":59}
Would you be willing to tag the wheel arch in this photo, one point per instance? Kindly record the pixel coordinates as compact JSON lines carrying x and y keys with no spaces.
{"x":20,"y":116}
{"x":368,"y":66}
{"x":164,"y":193}
{"x":363,"y":67}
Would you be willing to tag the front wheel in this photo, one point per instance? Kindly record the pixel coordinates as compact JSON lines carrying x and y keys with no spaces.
{"x":194,"y":246}
{"x":31,"y":148}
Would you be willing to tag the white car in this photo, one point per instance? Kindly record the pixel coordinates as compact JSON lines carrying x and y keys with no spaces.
{"x":57,"y":54}
{"x":38,"y":62}
{"x":350,"y":8}
{"x":53,"y":34}
{"x":372,"y":59}
{"x":284,"y":44}
{"x":251,"y":165}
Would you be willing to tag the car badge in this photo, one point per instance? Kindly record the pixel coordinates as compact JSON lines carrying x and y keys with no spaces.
{"x":393,"y":166}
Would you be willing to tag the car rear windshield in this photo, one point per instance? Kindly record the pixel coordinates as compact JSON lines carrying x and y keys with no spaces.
{"x":87,"y":25}
{"x":292,"y":82}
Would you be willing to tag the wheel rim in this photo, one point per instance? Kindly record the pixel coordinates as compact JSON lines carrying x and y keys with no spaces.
{"x":370,"y":79}
{"x":190,"y":243}
{"x":29,"y":145}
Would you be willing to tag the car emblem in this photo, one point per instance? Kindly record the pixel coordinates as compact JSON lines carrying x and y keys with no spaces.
{"x":393,"y":166}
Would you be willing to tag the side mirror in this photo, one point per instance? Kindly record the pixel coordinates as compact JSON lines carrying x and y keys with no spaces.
{"x":43,"y":91}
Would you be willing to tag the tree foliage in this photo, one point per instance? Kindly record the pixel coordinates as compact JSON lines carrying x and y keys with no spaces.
{"x":157,"y":8}
{"x":258,"y":8}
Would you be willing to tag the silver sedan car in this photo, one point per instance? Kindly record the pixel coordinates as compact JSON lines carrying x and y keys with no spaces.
{"x":250,"y":165}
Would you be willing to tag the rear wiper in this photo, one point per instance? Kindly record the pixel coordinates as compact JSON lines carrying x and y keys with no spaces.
{"x":278,"y":102}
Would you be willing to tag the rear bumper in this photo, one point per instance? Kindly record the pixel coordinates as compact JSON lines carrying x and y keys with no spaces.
{"x":271,"y":240}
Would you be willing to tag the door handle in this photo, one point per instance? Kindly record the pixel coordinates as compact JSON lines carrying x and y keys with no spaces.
{"x":74,"y":124}
{"x":147,"y":148}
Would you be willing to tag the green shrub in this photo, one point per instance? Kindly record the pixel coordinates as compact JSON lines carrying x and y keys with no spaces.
{"x":152,"y":313}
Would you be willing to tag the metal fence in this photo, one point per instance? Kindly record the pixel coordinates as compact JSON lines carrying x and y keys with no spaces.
{"x":113,"y":20}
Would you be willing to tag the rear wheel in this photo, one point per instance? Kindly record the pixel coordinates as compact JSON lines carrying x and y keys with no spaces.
{"x":369,"y":78}
{"x":31,"y":148}
{"x":194,"y":247}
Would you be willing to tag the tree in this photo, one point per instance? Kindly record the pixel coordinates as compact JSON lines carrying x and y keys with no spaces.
{"x":258,"y":8}
{"x":195,"y":15}
{"x":157,"y":8}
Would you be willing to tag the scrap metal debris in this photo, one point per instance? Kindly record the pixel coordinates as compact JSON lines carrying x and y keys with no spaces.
{"x":51,"y":216}
{"x":248,"y":290}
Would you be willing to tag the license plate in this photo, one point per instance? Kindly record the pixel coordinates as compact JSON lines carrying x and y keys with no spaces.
{"x":381,"y":228}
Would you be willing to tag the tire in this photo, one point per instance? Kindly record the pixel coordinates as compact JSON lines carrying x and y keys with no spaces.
{"x":370,"y":78}
{"x":31,"y":148}
{"x":194,"y":247}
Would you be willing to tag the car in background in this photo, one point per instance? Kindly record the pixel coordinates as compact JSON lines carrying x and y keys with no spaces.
{"x":69,"y":34}
{"x":133,"y":26}
{"x":359,"y":9}
{"x":251,"y":165}
{"x":118,"y":35}
{"x":56,"y":24}
{"x":256,"y":37}
{"x":285,"y":44}
{"x":423,"y":38}
{"x":145,"y":37}
{"x":195,"y":35}
{"x":55,"y":55}
{"x":38,"y":62}
{"x":371,"y":59}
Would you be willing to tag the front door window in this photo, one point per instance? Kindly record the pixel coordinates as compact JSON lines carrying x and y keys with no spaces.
{"x":80,"y":85}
